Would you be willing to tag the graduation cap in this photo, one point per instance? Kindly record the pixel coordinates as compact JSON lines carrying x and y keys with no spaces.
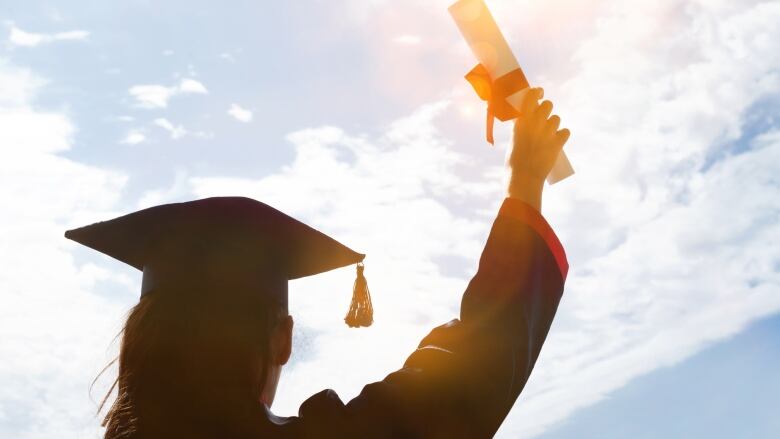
{"x":224,"y":244}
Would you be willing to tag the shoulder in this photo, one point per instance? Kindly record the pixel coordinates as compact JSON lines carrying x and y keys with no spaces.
{"x":326,"y":403}
{"x":325,"y":415}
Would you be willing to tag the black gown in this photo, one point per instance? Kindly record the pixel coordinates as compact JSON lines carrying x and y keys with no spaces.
{"x":466,"y":374}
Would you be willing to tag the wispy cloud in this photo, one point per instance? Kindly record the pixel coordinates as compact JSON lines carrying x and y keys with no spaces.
{"x":175,"y":131}
{"x":239,"y":113}
{"x":134,"y":137}
{"x":191,"y":86}
{"x":19,"y":37}
{"x":153,"y":96}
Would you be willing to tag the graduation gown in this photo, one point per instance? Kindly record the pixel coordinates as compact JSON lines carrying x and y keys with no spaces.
{"x":466,"y":374}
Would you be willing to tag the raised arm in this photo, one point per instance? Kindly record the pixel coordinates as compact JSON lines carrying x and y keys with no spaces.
{"x":465,"y":375}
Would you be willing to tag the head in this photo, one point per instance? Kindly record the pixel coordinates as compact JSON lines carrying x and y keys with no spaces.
{"x":197,"y":358}
{"x":211,"y":332}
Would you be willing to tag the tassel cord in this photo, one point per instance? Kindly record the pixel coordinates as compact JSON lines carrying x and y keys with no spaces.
{"x":361,"y":310}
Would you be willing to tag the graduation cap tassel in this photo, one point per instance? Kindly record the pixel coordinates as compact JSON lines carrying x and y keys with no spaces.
{"x":361,"y":312}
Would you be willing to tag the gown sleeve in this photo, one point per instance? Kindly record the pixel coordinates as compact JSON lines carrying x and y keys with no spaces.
{"x":466,"y":374}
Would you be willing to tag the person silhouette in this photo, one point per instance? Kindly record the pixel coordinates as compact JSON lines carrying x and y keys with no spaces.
{"x":202,"y":352}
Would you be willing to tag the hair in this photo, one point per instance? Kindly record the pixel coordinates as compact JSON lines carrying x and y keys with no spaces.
{"x":187,"y":359}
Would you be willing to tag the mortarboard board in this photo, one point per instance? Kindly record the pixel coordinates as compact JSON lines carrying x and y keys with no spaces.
{"x":221,"y":244}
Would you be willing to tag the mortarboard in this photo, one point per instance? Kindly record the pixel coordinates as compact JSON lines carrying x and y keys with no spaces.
{"x":221,"y":244}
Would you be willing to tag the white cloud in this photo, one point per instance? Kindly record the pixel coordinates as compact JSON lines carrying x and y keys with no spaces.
{"x":134,"y":137}
{"x":157,"y":96}
{"x":17,"y":85}
{"x":191,"y":86}
{"x":152,"y":96}
{"x":18,"y":37}
{"x":175,"y":131}
{"x":231,"y":55}
{"x":239,"y":113}
{"x":669,"y":252}
{"x":49,"y":351}
{"x":180,"y":190}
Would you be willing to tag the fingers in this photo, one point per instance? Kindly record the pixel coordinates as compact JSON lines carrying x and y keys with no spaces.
{"x":554,"y":143}
{"x":531,"y":99}
{"x":551,"y":127}
{"x":536,"y":93}
{"x":539,"y":119}
{"x":562,"y":136}
{"x":538,"y":126}
{"x":527,"y":109}
{"x":544,"y":110}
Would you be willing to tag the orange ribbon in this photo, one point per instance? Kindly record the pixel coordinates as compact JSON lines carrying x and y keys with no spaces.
{"x":496,"y":92}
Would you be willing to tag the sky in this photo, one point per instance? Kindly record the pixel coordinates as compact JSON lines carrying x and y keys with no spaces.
{"x":353,"y":116}
{"x":689,"y":398}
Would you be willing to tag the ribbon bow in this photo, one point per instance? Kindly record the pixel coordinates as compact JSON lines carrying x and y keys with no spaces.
{"x":496,"y":92}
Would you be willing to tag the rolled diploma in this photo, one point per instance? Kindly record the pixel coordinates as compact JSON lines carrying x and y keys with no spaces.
{"x":489,"y":46}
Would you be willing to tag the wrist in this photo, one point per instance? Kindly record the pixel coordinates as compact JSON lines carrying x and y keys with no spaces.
{"x":527,"y":189}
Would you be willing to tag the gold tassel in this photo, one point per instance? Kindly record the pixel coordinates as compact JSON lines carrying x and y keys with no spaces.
{"x":361,"y":312}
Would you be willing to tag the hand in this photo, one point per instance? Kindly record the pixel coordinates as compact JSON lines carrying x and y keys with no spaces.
{"x":535,"y":148}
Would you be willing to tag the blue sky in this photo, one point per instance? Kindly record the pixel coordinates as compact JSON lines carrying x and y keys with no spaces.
{"x":353,"y":116}
{"x":729,"y":390}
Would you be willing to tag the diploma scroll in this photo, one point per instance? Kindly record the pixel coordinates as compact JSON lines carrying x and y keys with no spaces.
{"x":498,"y":79}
